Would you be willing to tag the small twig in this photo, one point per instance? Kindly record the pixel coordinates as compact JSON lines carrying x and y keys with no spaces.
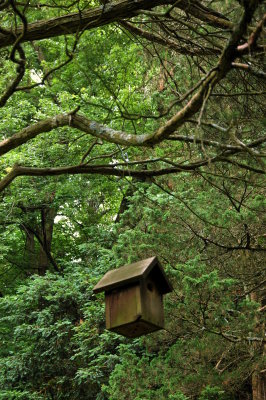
{"x":89,"y":151}
{"x":251,"y":44}
{"x":21,"y":62}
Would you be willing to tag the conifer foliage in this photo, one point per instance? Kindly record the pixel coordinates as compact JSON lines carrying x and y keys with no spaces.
{"x":130,"y":129}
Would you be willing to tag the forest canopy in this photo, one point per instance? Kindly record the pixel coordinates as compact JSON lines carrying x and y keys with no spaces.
{"x":130,"y":129}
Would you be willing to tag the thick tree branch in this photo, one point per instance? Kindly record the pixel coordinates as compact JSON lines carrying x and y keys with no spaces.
{"x":95,"y":129}
{"x":84,"y":169}
{"x":121,"y":169}
{"x":76,"y":121}
{"x":85,"y":20}
{"x":32,"y":131}
{"x":111,"y":12}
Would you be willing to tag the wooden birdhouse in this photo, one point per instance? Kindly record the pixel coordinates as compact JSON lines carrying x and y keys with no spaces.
{"x":134,"y":297}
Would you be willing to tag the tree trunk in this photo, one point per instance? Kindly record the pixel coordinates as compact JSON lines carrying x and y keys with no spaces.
{"x":259,"y":376}
{"x":30,"y":251}
{"x":258,"y":386}
{"x":38,"y":258}
{"x":46,"y":234}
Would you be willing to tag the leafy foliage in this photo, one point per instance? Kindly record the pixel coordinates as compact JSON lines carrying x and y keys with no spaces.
{"x":153,"y":134}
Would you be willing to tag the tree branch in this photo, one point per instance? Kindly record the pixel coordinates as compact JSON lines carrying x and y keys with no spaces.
{"x":84,"y":20}
{"x":120,"y":169}
{"x":111,"y":12}
{"x":21,"y":62}
{"x":193,"y":139}
{"x":212,"y":78}
{"x":171,"y":44}
{"x":250,"y":69}
{"x":251,"y":44}
{"x":103,"y":132}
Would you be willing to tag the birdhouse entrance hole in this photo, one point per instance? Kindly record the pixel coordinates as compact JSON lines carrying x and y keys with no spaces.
{"x":150,"y":287}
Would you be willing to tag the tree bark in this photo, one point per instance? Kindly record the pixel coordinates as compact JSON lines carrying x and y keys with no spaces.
{"x":39,"y":258}
{"x":258,"y":386}
{"x":46,"y":234}
{"x":103,"y":15}
{"x":30,"y":251}
{"x":258,"y":376}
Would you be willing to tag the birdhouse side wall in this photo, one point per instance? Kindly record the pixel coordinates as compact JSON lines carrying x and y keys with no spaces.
{"x":152,"y":303}
{"x":122,"y":306}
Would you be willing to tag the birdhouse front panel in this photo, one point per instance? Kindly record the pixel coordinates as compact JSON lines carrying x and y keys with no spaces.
{"x":122,"y":306}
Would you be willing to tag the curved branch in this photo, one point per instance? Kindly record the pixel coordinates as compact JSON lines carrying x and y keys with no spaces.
{"x":76,"y":121}
{"x":224,"y":246}
{"x":21,"y":62}
{"x":250,"y":69}
{"x":86,"y":169}
{"x":204,"y":14}
{"x":251,"y":44}
{"x":120,"y":169}
{"x":103,"y":132}
{"x":32,"y":131}
{"x":108,"y":13}
{"x":171,"y":44}
{"x":207,"y":142}
{"x":85,"y":20}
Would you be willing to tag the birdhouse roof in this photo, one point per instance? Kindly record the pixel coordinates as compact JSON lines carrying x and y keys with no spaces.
{"x":132,"y":273}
